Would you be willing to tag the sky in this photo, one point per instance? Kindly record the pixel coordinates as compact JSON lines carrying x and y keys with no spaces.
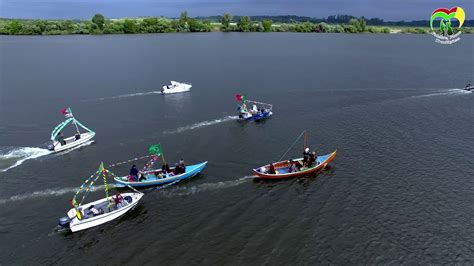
{"x":389,"y":10}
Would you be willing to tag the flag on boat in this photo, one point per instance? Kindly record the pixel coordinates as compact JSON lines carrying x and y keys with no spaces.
{"x":155,"y":149}
{"x":66,"y":112}
{"x":240,"y":98}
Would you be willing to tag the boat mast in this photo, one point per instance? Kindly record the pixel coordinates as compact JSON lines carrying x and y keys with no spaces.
{"x":74,"y":122}
{"x":305,"y":146}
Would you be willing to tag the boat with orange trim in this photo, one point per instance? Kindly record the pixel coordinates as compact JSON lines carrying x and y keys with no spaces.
{"x":283,"y":169}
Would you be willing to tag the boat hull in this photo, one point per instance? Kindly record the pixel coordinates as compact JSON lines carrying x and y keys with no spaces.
{"x":176,"y":87}
{"x":78,"y":225}
{"x":153,"y":180}
{"x":71,"y":143}
{"x":323,"y":161}
{"x":257,"y":117}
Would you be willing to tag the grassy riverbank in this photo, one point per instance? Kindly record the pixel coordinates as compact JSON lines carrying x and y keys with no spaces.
{"x":100,"y":25}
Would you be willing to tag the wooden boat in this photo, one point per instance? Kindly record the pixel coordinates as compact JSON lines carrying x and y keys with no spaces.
{"x":155,"y":178}
{"x":84,"y":216}
{"x":282,"y":167}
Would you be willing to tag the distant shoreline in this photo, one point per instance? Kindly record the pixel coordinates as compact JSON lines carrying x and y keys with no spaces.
{"x":99,"y":25}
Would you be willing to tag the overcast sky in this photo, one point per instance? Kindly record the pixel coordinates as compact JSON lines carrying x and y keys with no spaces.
{"x":80,"y":9}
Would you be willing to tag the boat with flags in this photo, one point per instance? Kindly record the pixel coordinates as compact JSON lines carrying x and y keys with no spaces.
{"x":253,"y":110}
{"x":307,"y":165}
{"x":61,"y":143}
{"x":157,"y":177}
{"x":83,"y":216}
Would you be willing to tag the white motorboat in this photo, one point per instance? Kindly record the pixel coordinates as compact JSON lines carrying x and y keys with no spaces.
{"x":84,"y":216}
{"x":60,"y":143}
{"x":176,"y":87}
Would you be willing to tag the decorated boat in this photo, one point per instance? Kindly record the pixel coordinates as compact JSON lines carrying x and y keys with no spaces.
{"x":253,"y":110}
{"x":296,"y":167}
{"x":176,"y":87}
{"x":61,"y":143}
{"x":84,"y":216}
{"x":156,"y":177}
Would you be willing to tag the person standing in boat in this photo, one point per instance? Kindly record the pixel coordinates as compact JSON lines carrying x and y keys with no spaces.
{"x":165,"y":169}
{"x":306,"y":155}
{"x":60,"y":139}
{"x":134,"y":173}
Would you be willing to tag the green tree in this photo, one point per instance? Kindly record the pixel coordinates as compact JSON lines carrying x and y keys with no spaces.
{"x":99,"y":20}
{"x":129,"y":26}
{"x":14,"y":27}
{"x":226,"y":19}
{"x":267,"y":25}
{"x":244,"y":24}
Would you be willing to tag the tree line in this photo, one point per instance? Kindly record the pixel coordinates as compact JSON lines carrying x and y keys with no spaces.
{"x":227,"y":23}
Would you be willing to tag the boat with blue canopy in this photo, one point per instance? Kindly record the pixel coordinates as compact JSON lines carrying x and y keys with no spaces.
{"x":157,"y":177}
{"x":84,"y":216}
{"x":61,"y":143}
{"x":253,"y":110}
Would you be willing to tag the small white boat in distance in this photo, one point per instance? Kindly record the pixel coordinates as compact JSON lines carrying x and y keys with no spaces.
{"x":176,"y":87}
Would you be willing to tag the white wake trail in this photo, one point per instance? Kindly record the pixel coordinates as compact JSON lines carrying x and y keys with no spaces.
{"x":48,"y":193}
{"x":124,"y":96}
{"x":190,"y":190}
{"x":202,"y":124}
{"x":441,"y":93}
{"x":16,"y":156}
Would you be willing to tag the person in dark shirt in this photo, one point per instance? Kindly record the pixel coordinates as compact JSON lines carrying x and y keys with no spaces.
{"x":312,"y":159}
{"x":60,"y":139}
{"x":306,"y":155}
{"x":182,"y":166}
{"x":134,"y":172}
{"x":271,"y":169}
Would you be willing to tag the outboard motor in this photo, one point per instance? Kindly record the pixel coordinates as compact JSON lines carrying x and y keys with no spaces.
{"x":51,"y":147}
{"x":64,"y":222}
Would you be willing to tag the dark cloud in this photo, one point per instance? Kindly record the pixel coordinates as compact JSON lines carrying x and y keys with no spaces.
{"x":386,"y":9}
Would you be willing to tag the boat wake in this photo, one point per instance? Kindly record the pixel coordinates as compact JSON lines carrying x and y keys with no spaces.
{"x":47,"y":193}
{"x":123,"y":96}
{"x":190,"y":190}
{"x":14,"y":157}
{"x":202,"y":124}
{"x":441,"y":93}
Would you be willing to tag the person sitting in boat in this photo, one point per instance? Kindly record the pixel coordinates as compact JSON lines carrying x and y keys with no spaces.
{"x":306,"y":155}
{"x":177,"y":169}
{"x":142,"y":177}
{"x":271,"y":169}
{"x":77,"y":136}
{"x":93,"y":211}
{"x":311,"y":159}
{"x":254,"y":109}
{"x":292,"y":167}
{"x":118,"y":199}
{"x":165,"y":170}
{"x":182,"y":166}
{"x":60,"y":139}
{"x":134,"y":173}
